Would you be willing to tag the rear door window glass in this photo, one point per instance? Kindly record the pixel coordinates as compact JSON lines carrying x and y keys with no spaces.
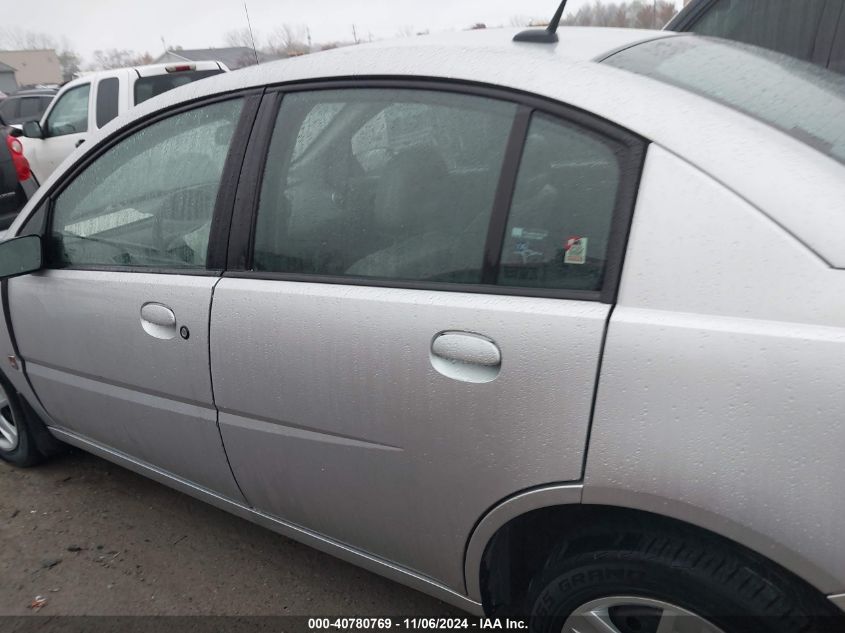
{"x":387,"y":184}
{"x":107,"y":100}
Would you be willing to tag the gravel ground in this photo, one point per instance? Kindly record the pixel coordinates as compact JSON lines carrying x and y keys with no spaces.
{"x":95,"y":539}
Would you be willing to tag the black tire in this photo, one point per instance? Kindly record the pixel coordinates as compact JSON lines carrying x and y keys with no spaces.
{"x":34,"y":443}
{"x":735,"y":590}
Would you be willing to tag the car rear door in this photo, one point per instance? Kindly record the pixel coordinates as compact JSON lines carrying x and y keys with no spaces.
{"x":113,"y":334}
{"x":412,"y":320}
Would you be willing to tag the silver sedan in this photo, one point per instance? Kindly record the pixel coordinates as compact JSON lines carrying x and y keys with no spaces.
{"x":547,"y":326}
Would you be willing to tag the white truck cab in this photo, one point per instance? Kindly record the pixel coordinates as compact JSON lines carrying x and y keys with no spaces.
{"x":90,"y":102}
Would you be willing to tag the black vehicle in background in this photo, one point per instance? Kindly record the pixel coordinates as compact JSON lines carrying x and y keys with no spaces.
{"x":26,"y":105}
{"x":812,"y":30}
{"x":16,"y":182}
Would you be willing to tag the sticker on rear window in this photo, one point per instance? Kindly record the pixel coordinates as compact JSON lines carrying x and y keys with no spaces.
{"x":576,"y":250}
{"x":529,"y":234}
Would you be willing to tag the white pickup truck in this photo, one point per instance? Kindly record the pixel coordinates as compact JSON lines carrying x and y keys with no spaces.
{"x":88,"y":103}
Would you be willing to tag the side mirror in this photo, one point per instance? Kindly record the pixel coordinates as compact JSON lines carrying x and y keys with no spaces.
{"x":32,"y":129}
{"x":20,"y":256}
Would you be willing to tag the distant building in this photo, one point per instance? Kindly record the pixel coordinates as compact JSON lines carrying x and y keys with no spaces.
{"x":34,"y":68}
{"x":8,"y":84}
{"x":234,"y":56}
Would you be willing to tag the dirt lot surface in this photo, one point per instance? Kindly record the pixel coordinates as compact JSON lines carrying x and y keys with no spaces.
{"x":94,"y":539}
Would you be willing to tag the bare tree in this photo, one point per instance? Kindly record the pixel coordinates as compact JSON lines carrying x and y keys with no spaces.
{"x":118,"y":58}
{"x":144,"y":59}
{"x":405,"y":31}
{"x":71,"y":64}
{"x":18,"y":39}
{"x":524,"y":20}
{"x":290,"y":40}
{"x":632,"y":14}
{"x":240,"y":37}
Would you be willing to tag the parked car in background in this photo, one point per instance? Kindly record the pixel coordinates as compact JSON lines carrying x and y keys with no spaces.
{"x":26,"y":105}
{"x":565,"y":344}
{"x":90,"y":102}
{"x":16,"y":183}
{"x":812,"y":30}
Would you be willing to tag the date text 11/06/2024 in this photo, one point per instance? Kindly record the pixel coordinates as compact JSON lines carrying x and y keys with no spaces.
{"x":430,"y":624}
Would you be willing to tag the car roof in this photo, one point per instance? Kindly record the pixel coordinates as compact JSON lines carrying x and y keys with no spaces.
{"x":799,"y":188}
{"x":35,"y":92}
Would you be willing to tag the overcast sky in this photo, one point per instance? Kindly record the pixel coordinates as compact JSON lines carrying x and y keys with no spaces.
{"x":140,"y":25}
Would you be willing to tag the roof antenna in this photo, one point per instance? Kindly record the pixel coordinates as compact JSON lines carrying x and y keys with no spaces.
{"x":546,"y":36}
{"x":251,"y":36}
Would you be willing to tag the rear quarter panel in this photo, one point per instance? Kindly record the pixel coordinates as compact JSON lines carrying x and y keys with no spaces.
{"x":720,"y":401}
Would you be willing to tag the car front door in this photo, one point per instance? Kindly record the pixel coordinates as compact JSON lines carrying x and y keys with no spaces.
{"x":63,"y":128}
{"x":114,"y":332}
{"x":416,"y":327}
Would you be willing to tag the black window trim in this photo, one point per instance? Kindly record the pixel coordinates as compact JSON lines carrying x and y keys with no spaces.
{"x":630,"y":148}
{"x":222,"y":213}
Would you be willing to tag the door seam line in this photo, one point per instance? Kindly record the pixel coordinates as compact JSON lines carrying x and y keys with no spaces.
{"x":214,"y":400}
{"x":594,"y":402}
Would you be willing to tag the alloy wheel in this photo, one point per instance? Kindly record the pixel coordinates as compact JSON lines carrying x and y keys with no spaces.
{"x":626,"y":614}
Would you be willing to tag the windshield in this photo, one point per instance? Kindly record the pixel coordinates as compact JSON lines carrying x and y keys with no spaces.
{"x":149,"y":87}
{"x":801,"y":99}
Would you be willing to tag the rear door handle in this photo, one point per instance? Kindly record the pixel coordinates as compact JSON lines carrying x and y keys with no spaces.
{"x":158,"y":321}
{"x":466,"y":356}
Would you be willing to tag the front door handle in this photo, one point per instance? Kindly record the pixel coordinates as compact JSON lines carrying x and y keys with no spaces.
{"x":466,"y":356}
{"x":159,"y":321}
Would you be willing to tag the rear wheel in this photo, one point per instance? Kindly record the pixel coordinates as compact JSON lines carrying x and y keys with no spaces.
{"x":666,"y":582}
